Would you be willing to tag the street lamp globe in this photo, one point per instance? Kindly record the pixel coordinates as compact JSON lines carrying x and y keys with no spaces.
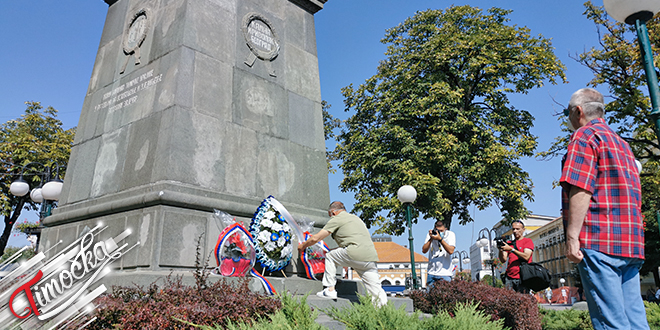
{"x":483,"y":242}
{"x":19,"y":187}
{"x":36,"y":195}
{"x":406,"y":194}
{"x":562,"y":281}
{"x":454,"y":261}
{"x":628,"y":11}
{"x":51,"y":190}
{"x":639,"y":166}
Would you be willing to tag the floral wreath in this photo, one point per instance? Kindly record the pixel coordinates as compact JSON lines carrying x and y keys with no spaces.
{"x":272,"y":235}
{"x":235,"y":252}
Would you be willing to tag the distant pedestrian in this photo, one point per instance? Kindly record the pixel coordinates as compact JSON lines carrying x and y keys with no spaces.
{"x":601,"y":204}
{"x":580,"y":292}
{"x":548,"y":295}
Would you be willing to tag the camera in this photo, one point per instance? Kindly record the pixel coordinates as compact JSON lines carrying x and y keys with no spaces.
{"x":434,"y":232}
{"x":501,"y":240}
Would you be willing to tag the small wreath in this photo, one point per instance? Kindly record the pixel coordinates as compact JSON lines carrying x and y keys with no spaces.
{"x":272,"y":236}
{"x":235,"y":252}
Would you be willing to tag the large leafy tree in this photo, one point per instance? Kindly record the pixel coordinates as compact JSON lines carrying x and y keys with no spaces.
{"x":330,"y":123}
{"x":617,"y":65}
{"x":437,"y":116}
{"x":37,"y":136}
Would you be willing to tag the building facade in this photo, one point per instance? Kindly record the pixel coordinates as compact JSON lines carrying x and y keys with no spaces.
{"x":549,"y":251}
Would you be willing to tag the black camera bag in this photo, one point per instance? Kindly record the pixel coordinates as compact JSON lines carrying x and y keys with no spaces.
{"x":533,"y":275}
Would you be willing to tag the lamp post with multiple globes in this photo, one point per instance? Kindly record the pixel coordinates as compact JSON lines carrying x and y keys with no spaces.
{"x":483,"y":242}
{"x":457,"y":259}
{"x":49,"y":189}
{"x":42,"y":184}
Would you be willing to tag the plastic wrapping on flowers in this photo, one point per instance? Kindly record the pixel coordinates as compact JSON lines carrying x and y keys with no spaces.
{"x":235,"y":252}
{"x":272,"y":236}
{"x":314,"y":257}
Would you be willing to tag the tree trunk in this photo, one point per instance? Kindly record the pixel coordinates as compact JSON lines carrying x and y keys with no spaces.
{"x":447,"y":220}
{"x":9,"y":225}
{"x":656,"y":277}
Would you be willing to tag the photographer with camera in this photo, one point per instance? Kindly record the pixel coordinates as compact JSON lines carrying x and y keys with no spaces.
{"x":440,"y":244}
{"x":520,"y":248}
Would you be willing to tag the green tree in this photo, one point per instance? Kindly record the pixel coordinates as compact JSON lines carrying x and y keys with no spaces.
{"x":330,"y":123}
{"x":617,"y":65}
{"x":437,"y":116}
{"x":35,"y":137}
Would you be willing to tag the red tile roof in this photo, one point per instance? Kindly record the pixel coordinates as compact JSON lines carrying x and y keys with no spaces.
{"x":392,"y":252}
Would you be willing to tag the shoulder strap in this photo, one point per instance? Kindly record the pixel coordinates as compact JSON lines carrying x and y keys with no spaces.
{"x":515,"y":245}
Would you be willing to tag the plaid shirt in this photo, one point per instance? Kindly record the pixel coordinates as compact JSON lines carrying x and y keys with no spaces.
{"x":600,"y":161}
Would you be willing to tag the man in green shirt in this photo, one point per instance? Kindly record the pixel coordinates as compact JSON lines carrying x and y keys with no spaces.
{"x":356,"y":250}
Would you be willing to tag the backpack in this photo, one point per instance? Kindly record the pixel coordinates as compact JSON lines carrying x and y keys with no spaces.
{"x":533,"y":275}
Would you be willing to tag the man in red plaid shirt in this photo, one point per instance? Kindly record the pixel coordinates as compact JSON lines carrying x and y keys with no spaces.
{"x":601,"y":206}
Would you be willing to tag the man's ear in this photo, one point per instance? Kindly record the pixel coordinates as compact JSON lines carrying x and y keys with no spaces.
{"x":580,"y":112}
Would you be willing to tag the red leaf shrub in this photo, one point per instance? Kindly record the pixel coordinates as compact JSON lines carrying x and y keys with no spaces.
{"x":156,"y":307}
{"x":519,"y":311}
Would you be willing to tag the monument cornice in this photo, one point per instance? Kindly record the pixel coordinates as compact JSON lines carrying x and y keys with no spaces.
{"x":168,"y":193}
{"x":311,"y":6}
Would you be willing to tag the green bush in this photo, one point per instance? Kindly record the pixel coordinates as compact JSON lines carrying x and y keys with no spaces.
{"x":653,"y":314}
{"x":365,"y":316}
{"x":10,"y":250}
{"x":568,"y":319}
{"x":466,"y":317}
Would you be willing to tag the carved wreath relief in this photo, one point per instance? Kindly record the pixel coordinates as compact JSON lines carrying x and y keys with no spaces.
{"x":136,"y":32}
{"x":262,"y":40}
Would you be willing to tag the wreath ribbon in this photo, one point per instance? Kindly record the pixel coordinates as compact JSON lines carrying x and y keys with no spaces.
{"x":309,"y":263}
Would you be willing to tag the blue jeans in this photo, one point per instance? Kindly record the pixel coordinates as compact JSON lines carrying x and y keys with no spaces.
{"x":611,"y":285}
{"x":430,"y":279}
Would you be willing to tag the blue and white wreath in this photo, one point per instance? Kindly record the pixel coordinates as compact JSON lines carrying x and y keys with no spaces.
{"x":272,"y":235}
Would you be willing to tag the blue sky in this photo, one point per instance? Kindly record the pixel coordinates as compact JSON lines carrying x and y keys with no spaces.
{"x":49,"y":48}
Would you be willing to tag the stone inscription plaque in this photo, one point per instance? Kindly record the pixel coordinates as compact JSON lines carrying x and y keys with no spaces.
{"x":136,"y":32}
{"x":127,"y":94}
{"x":261,"y":39}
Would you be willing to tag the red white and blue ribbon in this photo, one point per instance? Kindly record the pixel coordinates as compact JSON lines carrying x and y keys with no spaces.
{"x":267,"y":286}
{"x":305,"y":259}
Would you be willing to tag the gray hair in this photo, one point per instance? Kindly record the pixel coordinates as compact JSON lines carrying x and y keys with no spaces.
{"x":336,"y":206}
{"x":591,"y":101}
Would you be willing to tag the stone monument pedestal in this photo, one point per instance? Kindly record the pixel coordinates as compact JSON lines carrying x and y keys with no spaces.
{"x":195,"y":105}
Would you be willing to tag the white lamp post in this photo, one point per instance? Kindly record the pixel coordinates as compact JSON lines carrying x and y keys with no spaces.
{"x":407,"y":195}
